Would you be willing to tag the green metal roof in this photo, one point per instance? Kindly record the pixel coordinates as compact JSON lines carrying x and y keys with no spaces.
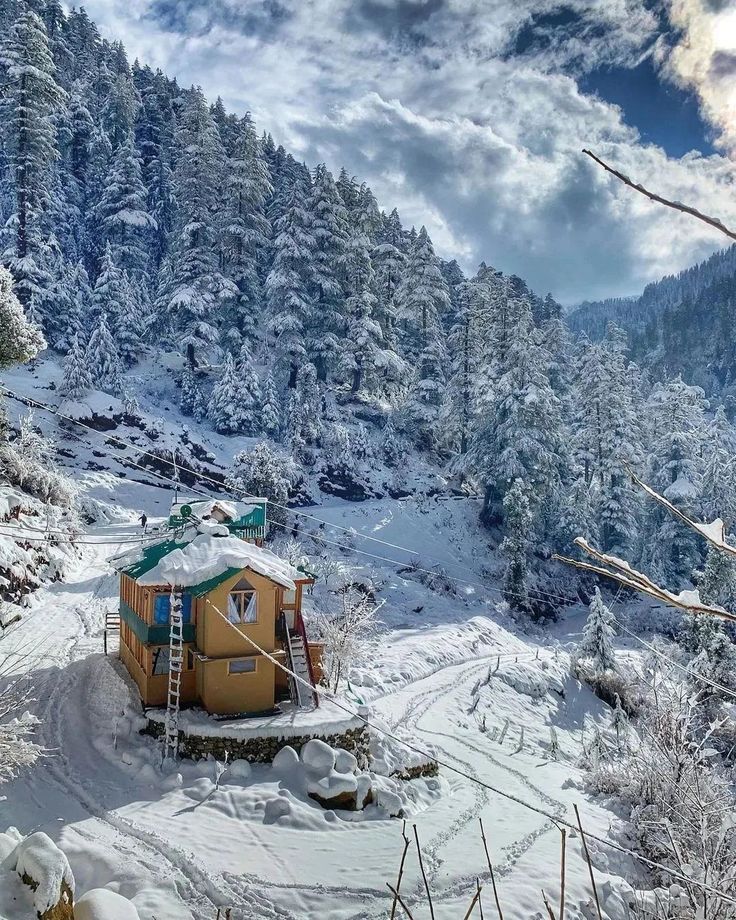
{"x":152,"y":555}
{"x":205,"y":587}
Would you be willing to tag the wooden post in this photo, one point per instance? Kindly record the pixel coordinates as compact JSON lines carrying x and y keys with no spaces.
{"x":490,"y":869}
{"x":424,"y":874}
{"x":590,"y":865}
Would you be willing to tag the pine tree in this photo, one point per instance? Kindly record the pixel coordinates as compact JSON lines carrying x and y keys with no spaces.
{"x":287,"y":284}
{"x":515,"y":546}
{"x":246,"y":228}
{"x":718,"y":584}
{"x":389,"y":259}
{"x":423,"y":409}
{"x":329,"y":230}
{"x":103,"y":358}
{"x":271,"y":408}
{"x":423,"y":296}
{"x":20,"y":341}
{"x":196,"y":288}
{"x":31,"y":98}
{"x":77,"y":378}
{"x":235,"y":401}
{"x":392,"y":448}
{"x":597,"y":640}
{"x":122,"y":213}
{"x":362,"y":348}
{"x":191,"y":401}
{"x":263,"y":473}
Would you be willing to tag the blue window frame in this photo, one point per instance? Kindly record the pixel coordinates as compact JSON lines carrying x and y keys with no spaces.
{"x":162,"y":609}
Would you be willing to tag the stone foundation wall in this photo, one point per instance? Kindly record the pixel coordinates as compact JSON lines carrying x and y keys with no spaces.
{"x":428,"y":768}
{"x":258,"y":749}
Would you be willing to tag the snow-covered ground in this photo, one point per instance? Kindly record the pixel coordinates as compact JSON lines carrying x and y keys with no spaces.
{"x":451,"y":671}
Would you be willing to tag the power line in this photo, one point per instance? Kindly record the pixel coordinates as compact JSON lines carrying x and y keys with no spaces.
{"x":321,"y":691}
{"x":203,"y":476}
{"x":484,"y":587}
{"x":403,"y":564}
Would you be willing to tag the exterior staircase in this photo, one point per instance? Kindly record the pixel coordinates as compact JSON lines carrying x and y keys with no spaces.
{"x":299,"y":663}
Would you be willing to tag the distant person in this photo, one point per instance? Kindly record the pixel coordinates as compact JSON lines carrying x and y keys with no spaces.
{"x":144,"y":521}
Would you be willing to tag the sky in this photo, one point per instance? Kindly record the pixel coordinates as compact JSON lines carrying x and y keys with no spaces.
{"x":469,"y":116}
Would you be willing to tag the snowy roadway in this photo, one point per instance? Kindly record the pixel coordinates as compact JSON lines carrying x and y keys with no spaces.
{"x":181,"y":848}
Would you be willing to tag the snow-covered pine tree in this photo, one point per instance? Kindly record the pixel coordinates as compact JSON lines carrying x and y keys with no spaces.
{"x":196,"y":288}
{"x":362,"y":349}
{"x":596,"y":643}
{"x":20,"y":341}
{"x":191,"y":401}
{"x":103,"y":359}
{"x":246,"y":228}
{"x":122,"y":212}
{"x":718,"y":584}
{"x":235,"y":402}
{"x":423,"y":409}
{"x":619,"y":722}
{"x":77,"y":380}
{"x":520,"y":430}
{"x":263,"y":472}
{"x":330,"y":232}
{"x":392,"y":447}
{"x":271,"y":408}
{"x":30,"y":99}
{"x":422,"y":297}
{"x":515,"y":546}
{"x":303,"y":411}
{"x":389,"y":260}
{"x":288,"y":282}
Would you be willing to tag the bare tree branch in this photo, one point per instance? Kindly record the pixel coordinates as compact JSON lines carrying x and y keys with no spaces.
{"x":652,"y":196}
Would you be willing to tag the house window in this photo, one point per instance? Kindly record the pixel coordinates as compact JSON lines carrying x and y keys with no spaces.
{"x":242,"y":666}
{"x":242,"y":603}
{"x":160,"y":660}
{"x":289,"y":598}
{"x":162,"y":608}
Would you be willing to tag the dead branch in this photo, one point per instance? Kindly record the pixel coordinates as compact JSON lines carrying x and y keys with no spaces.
{"x":490,"y":869}
{"x":590,"y":864}
{"x":401,"y":869}
{"x":704,"y":532}
{"x":398,"y":897}
{"x":476,"y":897}
{"x":424,"y":874}
{"x":550,"y":912}
{"x":653,"y":196}
{"x":637,"y":581}
{"x":480,"y":900}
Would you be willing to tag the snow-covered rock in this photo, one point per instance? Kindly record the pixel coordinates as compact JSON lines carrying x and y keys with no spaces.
{"x":103,"y":904}
{"x":318,"y":757}
{"x":239,"y":769}
{"x":345,"y":762}
{"x":39,"y":859}
{"x":285,"y":761}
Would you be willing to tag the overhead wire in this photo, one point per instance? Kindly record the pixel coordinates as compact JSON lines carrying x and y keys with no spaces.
{"x":321,"y":691}
{"x":31,"y":402}
{"x":351,"y":549}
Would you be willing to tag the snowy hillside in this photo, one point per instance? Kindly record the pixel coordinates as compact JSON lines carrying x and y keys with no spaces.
{"x":449,"y":671}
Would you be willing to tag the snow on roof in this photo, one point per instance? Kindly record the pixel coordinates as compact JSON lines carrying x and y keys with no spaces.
{"x":208,"y":556}
{"x":231,"y":509}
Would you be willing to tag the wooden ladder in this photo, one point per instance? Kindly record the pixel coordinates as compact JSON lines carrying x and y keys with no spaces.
{"x":176,"y":660}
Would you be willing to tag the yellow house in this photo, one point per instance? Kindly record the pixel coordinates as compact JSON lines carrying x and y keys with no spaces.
{"x":238,"y":601}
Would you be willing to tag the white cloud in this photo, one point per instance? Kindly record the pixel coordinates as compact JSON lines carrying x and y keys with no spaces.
{"x":421,"y":98}
{"x":704,"y":59}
